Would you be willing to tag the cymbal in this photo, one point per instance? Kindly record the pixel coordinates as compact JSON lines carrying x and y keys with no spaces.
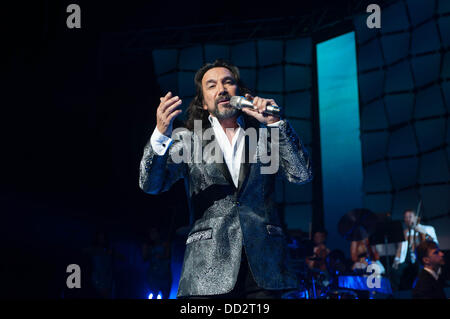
{"x":357,"y":224}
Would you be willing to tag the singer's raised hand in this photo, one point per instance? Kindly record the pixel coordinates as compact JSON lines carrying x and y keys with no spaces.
{"x":259,"y":106}
{"x":166,"y":113}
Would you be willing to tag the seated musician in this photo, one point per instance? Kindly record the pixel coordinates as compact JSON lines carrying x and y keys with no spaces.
{"x":405,"y":266}
{"x":430,"y":284}
{"x":318,"y":260}
{"x":364,"y":254}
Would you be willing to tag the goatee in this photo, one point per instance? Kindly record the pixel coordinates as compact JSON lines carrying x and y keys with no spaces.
{"x":226,"y":113}
{"x":227,"y":110}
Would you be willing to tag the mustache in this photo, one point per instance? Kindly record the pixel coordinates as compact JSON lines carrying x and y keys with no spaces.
{"x":226,"y":97}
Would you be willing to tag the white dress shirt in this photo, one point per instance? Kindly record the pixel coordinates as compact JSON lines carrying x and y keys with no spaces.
{"x":232,"y":151}
{"x":429,"y":230}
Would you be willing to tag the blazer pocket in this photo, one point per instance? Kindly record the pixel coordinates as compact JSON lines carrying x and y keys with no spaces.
{"x":273,"y":230}
{"x":199,"y":235}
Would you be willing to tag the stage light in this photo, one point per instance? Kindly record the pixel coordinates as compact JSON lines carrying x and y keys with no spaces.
{"x":150,"y":295}
{"x":159,"y":295}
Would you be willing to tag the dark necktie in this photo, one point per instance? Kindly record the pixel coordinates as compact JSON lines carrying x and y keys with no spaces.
{"x":408,"y":251}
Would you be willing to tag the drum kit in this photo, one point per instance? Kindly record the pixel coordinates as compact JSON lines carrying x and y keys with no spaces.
{"x":323,"y":282}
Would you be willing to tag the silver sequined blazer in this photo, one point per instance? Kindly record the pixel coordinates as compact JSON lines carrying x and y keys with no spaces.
{"x":227,"y":219}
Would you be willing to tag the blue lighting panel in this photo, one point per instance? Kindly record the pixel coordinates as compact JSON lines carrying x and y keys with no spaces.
{"x":342,"y":173}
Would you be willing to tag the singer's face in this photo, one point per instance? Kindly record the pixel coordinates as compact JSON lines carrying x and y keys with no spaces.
{"x":219,"y":85}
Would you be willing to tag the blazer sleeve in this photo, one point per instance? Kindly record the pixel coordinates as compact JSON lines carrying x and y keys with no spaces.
{"x":158,"y":173}
{"x":295,"y":163}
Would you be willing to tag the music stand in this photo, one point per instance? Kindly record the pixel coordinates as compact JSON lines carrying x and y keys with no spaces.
{"x":387,"y":232}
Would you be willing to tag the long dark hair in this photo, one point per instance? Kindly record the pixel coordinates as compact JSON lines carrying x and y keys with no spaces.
{"x":195,"y":110}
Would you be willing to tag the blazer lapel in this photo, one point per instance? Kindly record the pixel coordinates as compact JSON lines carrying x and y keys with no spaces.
{"x":248,"y":154}
{"x":225,"y":171}
{"x":245,"y":165}
{"x":223,"y":165}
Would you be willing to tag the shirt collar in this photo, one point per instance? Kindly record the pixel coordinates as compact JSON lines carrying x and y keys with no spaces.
{"x":215,"y":122}
{"x":433,"y":273}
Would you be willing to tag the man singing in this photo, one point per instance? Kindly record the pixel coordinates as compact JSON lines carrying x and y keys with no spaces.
{"x":236,"y":247}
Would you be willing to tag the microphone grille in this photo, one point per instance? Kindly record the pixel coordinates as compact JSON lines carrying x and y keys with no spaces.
{"x":235,"y":101}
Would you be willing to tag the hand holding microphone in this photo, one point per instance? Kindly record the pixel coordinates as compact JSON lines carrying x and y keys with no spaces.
{"x":240,"y":101}
{"x":265,"y":111}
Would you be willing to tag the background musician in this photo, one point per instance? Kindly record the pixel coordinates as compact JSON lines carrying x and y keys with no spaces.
{"x":363,"y":254}
{"x":430,"y":284}
{"x":318,"y":260}
{"x":405,"y":267}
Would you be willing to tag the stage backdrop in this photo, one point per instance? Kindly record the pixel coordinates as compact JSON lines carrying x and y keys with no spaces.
{"x":404,"y":97}
{"x":404,"y":72}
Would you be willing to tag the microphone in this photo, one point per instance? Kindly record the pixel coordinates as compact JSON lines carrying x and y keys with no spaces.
{"x":239,"y":102}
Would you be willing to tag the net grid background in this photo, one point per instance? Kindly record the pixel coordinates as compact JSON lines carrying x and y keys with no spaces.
{"x":404,"y":72}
